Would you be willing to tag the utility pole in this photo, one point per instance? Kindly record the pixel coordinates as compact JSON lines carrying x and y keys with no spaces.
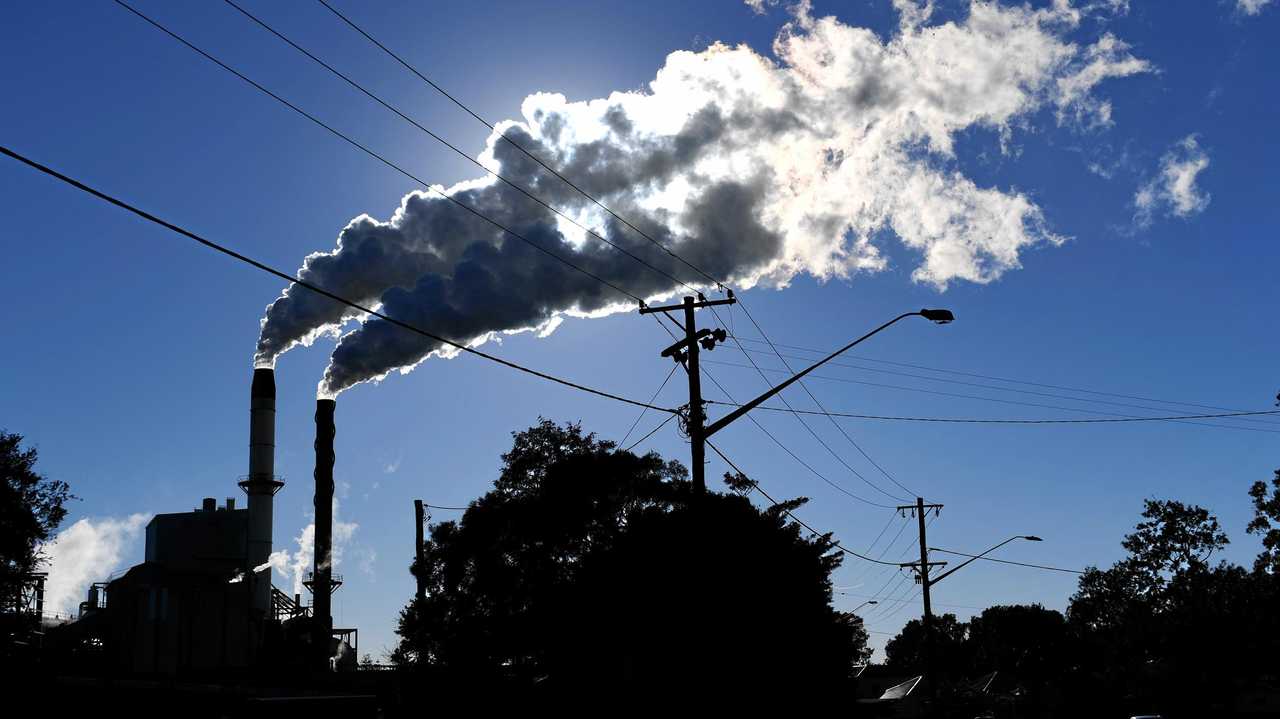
{"x":419,"y":518}
{"x":919,"y":509}
{"x":686,"y":352}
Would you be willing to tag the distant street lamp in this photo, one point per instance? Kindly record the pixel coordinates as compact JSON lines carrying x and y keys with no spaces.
{"x":927,"y":582}
{"x":860,"y":606}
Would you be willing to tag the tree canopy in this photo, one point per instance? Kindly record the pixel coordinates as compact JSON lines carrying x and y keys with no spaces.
{"x":1166,"y":624}
{"x":1266,"y":522}
{"x":586,"y":564}
{"x":31,"y":508}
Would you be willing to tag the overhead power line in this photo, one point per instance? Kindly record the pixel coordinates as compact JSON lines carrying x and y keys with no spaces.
{"x":539,"y":161}
{"x":787,"y":449}
{"x":756,"y":485}
{"x":939,"y":604}
{"x":457,"y":150}
{"x":994,"y":399}
{"x":517,"y":145}
{"x":652,"y":399}
{"x":817,"y":402}
{"x":1007,"y":561}
{"x":314,"y":288}
{"x":968,"y":420}
{"x":651,"y":432}
{"x":346,"y":138}
{"x":996,"y":388}
{"x":996,"y":378}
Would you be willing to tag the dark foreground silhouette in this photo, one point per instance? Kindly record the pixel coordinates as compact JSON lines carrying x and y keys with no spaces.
{"x":586,"y":566}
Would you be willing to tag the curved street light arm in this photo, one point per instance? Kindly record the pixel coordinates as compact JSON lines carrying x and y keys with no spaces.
{"x":976,"y":557}
{"x":735,"y":414}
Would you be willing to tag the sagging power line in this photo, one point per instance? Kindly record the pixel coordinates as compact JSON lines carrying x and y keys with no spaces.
{"x":1008,"y":401}
{"x":380,"y":158}
{"x":720,"y":283}
{"x":996,"y":378}
{"x":969,"y":420}
{"x":313,"y":288}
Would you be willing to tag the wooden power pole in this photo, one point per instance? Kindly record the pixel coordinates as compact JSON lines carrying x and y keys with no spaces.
{"x":420,"y":519}
{"x":919,"y":509}
{"x":685,"y":352}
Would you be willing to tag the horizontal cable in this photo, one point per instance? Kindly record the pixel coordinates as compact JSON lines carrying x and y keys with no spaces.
{"x":756,"y":485}
{"x":779,"y":442}
{"x":314,"y":288}
{"x":993,"y":377}
{"x":346,"y":138}
{"x":1006,"y":561}
{"x":995,"y":388}
{"x":966,"y":420}
{"x":457,"y":150}
{"x":517,"y":145}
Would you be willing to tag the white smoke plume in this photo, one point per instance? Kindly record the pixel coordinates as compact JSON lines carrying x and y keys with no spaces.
{"x":86,"y":552}
{"x":754,"y":169}
{"x":297,"y":564}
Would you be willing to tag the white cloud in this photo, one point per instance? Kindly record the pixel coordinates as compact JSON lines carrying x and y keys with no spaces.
{"x":1106,"y":58}
{"x":760,"y":6}
{"x":86,"y":552}
{"x":1251,"y":7}
{"x":1173,"y":190}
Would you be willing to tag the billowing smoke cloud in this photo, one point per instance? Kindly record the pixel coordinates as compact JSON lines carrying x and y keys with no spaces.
{"x":297,"y":564}
{"x":1173,"y":190}
{"x":86,"y":552}
{"x":752,"y":169}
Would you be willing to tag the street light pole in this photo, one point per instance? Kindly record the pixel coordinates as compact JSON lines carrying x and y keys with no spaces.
{"x":860,"y":606}
{"x":926,"y":584}
{"x":685,"y":352}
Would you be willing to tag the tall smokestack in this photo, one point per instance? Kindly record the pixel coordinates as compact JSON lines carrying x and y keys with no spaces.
{"x":261,"y":484}
{"x":322,"y":579}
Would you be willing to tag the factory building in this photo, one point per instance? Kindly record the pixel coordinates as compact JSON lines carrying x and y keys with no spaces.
{"x":202,"y":601}
{"x":188,"y":607}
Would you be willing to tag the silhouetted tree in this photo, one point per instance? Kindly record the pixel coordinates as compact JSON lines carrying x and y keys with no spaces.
{"x":1025,"y":641}
{"x":31,"y":507}
{"x":1266,"y":522}
{"x":1165,"y":625}
{"x":907,"y":651}
{"x":585,"y":564}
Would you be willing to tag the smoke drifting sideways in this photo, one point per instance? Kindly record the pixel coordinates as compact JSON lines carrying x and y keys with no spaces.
{"x":752,"y":169}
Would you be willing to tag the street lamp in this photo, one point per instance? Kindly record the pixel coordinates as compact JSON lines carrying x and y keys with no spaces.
{"x":927,"y":582}
{"x":860,"y":606}
{"x":941,"y":317}
{"x":949,"y":572}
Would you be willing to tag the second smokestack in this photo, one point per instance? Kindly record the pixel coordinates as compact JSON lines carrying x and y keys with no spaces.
{"x":322,"y":577}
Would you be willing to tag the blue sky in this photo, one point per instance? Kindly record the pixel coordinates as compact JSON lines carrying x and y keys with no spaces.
{"x":130,"y":350}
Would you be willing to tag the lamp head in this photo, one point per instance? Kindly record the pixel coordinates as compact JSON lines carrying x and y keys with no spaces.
{"x":1032,"y":538}
{"x":941,"y":317}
